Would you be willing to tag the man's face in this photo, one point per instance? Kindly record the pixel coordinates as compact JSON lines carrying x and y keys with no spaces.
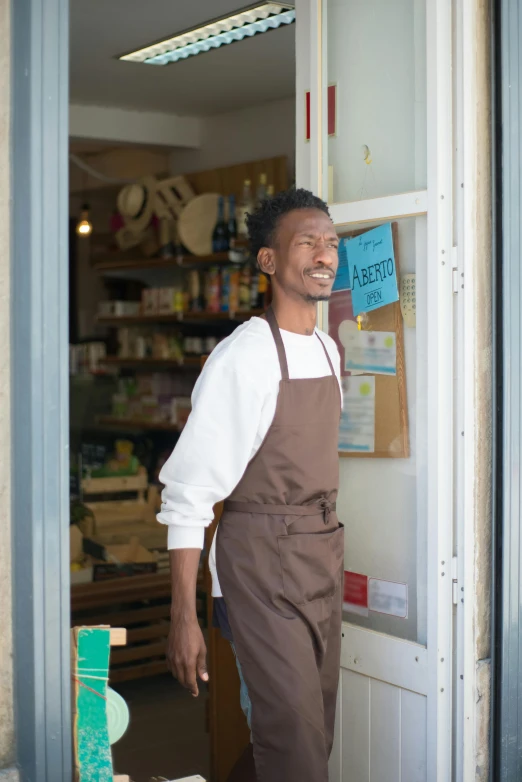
{"x":303,"y":261}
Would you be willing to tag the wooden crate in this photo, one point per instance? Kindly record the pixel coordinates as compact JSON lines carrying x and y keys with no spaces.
{"x":141,"y":604}
{"x":116,"y":521}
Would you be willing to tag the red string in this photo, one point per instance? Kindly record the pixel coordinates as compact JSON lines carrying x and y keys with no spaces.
{"x":82,"y":684}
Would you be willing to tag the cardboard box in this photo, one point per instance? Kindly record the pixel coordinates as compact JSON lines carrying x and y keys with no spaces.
{"x":150,"y":301}
{"x":82,"y":576}
{"x":180,"y":409}
{"x":166,"y":301}
{"x":118,"y":308}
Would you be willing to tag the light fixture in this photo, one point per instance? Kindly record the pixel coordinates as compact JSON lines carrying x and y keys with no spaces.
{"x":84,"y":225}
{"x":243,"y":24}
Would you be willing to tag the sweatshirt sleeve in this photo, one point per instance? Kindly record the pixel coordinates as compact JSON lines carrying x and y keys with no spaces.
{"x":212,"y":452}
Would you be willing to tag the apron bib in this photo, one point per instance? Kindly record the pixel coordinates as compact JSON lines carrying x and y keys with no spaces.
{"x":279,"y":554}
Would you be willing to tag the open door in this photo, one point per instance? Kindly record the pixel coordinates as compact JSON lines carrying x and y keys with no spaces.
{"x":374,"y":139}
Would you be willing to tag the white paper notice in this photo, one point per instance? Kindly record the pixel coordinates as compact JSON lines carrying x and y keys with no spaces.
{"x":370,"y":351}
{"x":388,"y":597}
{"x":357,"y":427}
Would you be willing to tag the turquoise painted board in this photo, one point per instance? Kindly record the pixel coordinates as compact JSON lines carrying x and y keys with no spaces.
{"x":93,"y":752}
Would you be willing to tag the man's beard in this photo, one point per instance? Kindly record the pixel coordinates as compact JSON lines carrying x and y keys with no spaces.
{"x":315,"y":299}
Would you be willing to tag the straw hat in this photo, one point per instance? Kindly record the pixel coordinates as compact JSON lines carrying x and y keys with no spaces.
{"x":136,"y":204}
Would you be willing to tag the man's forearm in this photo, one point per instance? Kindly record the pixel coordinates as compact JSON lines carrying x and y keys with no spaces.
{"x":184,"y":565}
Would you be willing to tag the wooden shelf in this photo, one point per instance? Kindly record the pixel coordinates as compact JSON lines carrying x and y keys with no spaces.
{"x":141,"y":605}
{"x":185,"y":262}
{"x":188,"y":363}
{"x":185,"y":317}
{"x":137,"y":423}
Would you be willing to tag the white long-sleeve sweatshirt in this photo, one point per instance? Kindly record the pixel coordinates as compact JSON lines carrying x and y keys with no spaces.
{"x":233,"y":405}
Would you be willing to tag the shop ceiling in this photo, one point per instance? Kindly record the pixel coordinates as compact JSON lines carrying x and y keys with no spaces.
{"x":246,"y":73}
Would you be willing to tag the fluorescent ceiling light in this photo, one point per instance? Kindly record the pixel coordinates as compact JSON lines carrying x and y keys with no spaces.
{"x":243,"y":24}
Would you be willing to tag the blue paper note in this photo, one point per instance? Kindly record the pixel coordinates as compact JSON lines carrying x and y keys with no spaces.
{"x":342,"y":280}
{"x":372,"y":270}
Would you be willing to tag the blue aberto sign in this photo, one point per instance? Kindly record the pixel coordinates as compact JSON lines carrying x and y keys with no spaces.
{"x":373,"y":275}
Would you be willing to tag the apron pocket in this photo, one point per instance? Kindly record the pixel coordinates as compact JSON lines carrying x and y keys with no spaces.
{"x":311,"y":564}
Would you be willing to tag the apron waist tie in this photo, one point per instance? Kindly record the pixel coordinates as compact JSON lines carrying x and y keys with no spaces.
{"x":321,"y":506}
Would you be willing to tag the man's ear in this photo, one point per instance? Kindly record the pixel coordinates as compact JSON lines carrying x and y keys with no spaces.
{"x":266,"y":260}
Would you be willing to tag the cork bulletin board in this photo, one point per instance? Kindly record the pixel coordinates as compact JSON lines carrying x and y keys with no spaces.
{"x":391,"y":432}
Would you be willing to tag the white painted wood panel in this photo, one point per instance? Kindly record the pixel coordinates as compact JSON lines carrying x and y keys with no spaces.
{"x":355,"y":699}
{"x":384,"y":657}
{"x":413,"y":737}
{"x":381,"y":732}
{"x":384,"y":208}
{"x":385,"y":732}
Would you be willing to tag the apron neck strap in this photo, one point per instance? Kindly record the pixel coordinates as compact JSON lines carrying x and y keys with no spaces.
{"x":283,"y":363}
{"x":272,"y":322}
{"x":332,"y":370}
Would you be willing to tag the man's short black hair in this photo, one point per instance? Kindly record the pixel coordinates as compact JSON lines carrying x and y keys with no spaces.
{"x":262,"y":223}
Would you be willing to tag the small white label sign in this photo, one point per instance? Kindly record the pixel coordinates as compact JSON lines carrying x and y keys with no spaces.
{"x":388,"y":597}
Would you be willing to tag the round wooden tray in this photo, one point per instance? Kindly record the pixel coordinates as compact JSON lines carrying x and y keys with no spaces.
{"x":196,"y":223}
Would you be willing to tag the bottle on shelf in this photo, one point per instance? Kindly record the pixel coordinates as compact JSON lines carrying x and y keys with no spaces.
{"x":254,"y":283}
{"x":261,"y":192}
{"x":225,"y":290}
{"x":232,"y":222}
{"x":220,"y":236}
{"x":195,"y":296}
{"x":270,"y":192}
{"x":244,"y":287}
{"x":213,"y":290}
{"x":233,"y":293}
{"x":246,"y":205}
{"x":230,"y":290}
{"x":262,"y":290}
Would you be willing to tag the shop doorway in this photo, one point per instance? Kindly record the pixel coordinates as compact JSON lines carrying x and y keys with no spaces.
{"x":390,"y":681}
{"x":195,"y":142}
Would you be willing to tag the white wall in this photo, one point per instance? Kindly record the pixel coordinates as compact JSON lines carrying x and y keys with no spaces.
{"x":255,"y":133}
{"x":108,"y":123}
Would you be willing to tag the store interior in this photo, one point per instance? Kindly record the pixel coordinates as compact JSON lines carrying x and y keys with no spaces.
{"x":164,"y":160}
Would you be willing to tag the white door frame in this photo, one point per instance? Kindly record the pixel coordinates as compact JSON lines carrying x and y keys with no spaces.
{"x":437,"y":203}
{"x":466,"y":188}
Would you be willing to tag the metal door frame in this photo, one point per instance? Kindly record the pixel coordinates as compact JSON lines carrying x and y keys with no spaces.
{"x":40,"y":431}
{"x":508,"y":158}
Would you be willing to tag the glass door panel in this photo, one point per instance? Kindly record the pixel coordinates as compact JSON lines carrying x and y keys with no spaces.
{"x":374,"y":98}
{"x":383,"y":498}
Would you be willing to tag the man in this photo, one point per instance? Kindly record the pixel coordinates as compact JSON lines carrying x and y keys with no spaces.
{"x":262,"y":436}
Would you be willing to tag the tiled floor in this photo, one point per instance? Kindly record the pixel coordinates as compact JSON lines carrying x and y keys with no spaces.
{"x":166,"y":736}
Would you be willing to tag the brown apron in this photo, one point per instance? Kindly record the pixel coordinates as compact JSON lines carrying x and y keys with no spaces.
{"x":280,"y":551}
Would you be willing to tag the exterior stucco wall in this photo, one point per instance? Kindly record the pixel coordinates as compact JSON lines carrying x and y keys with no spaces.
{"x":7,"y":748}
{"x":483,"y":393}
